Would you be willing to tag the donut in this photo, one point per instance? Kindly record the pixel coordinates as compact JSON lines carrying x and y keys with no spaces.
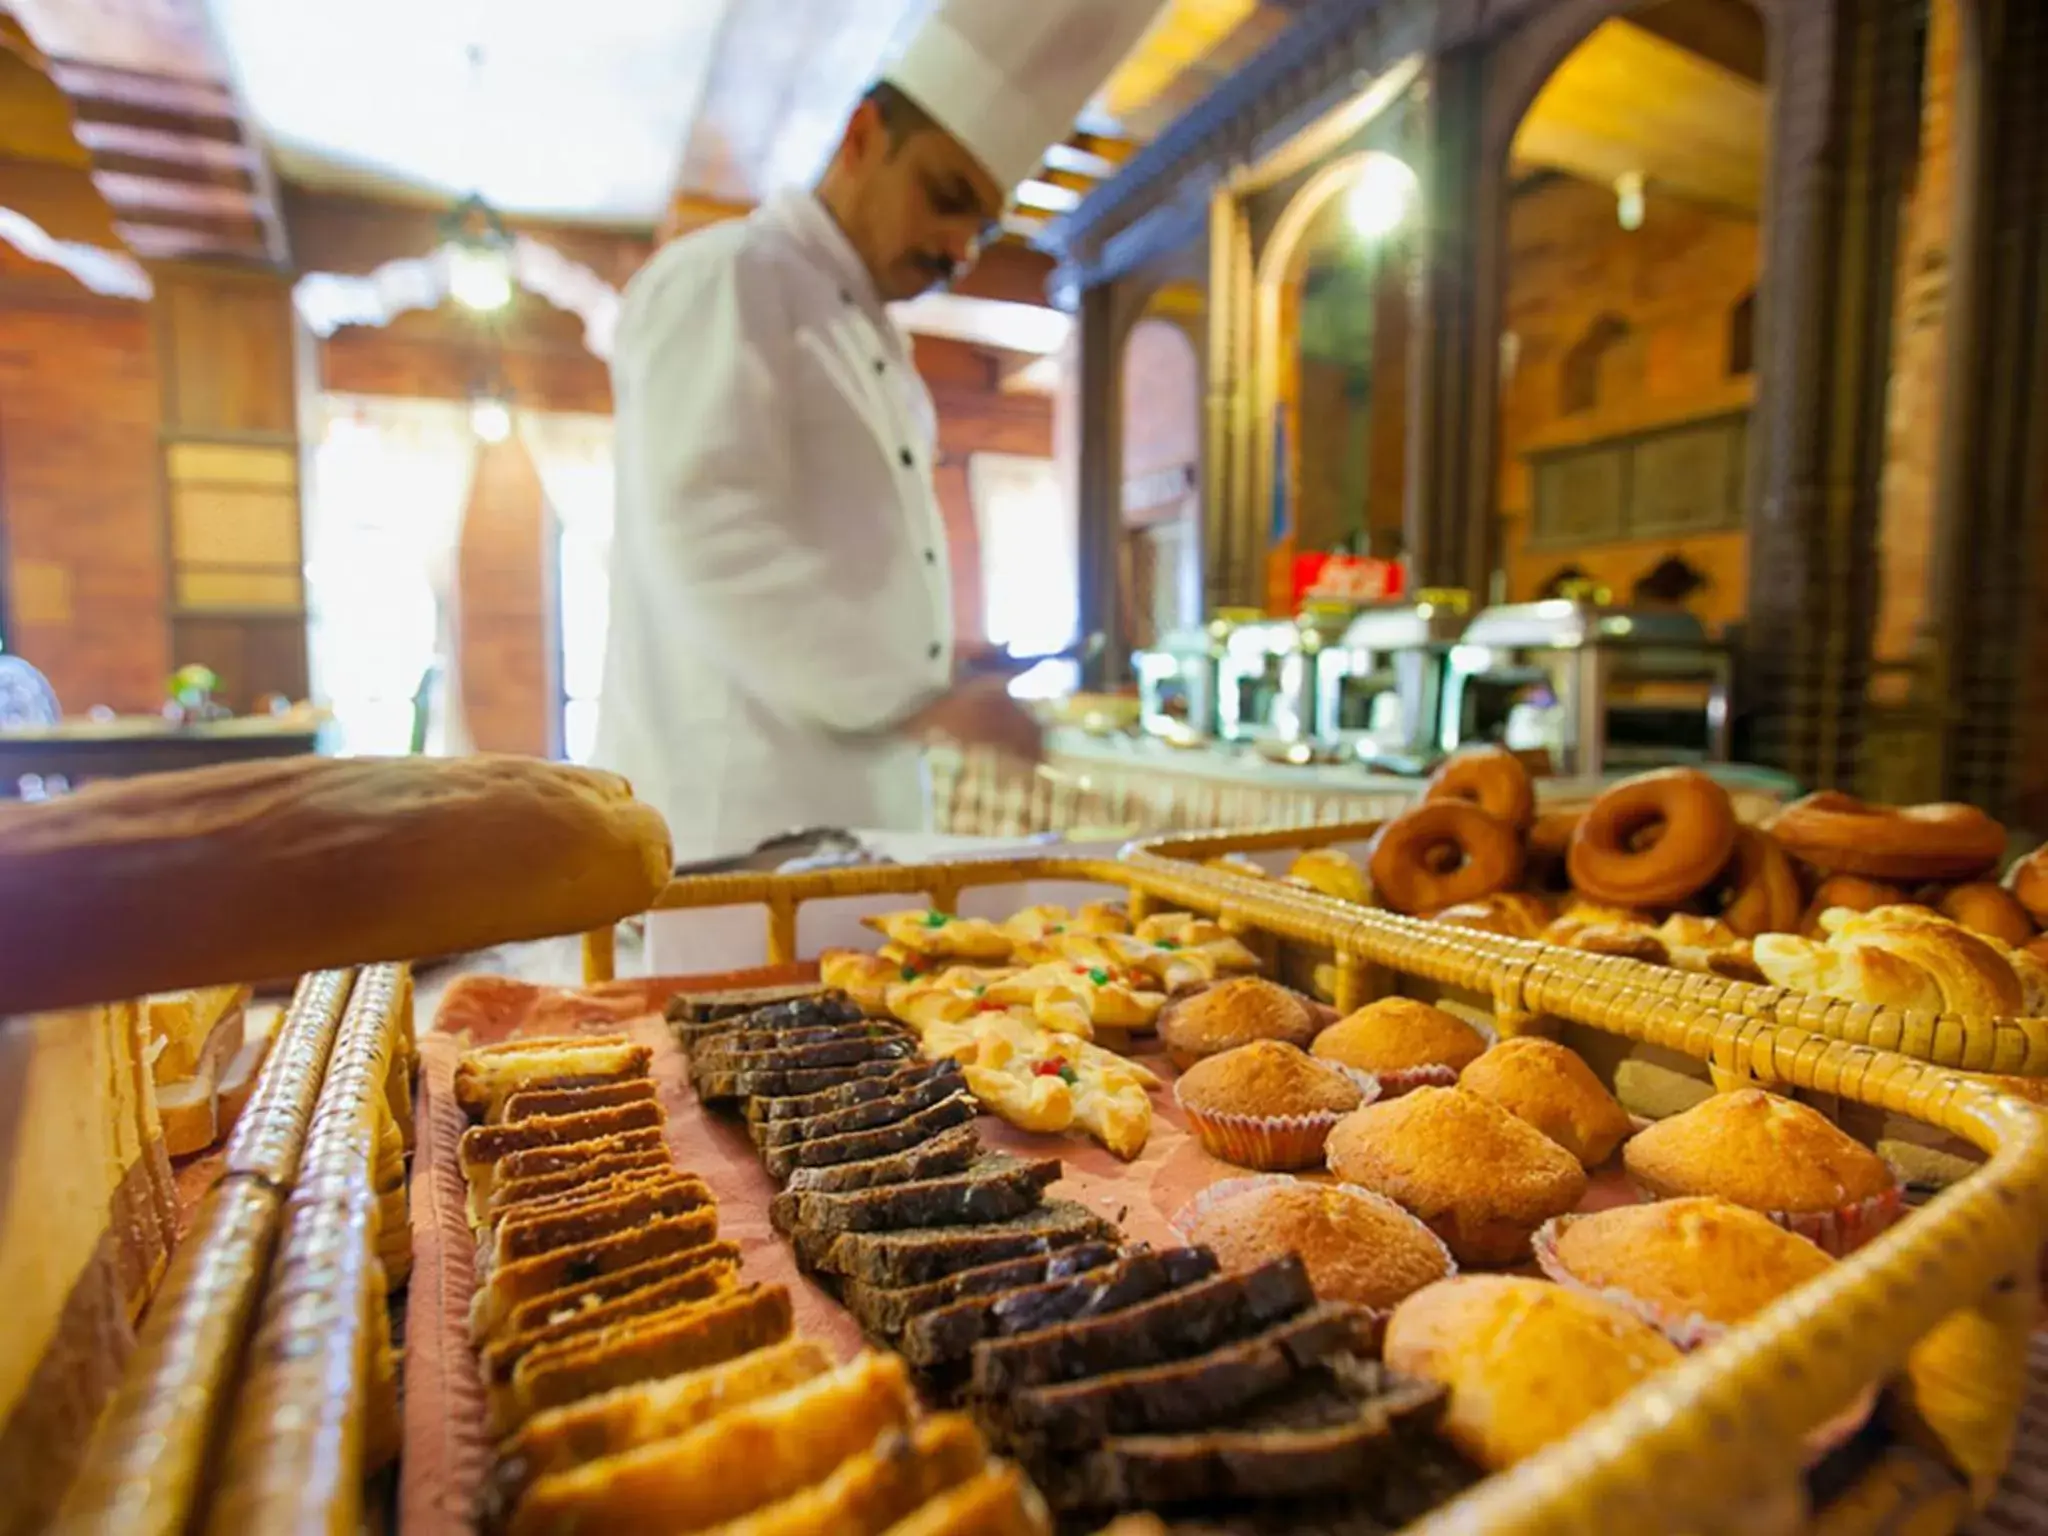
{"x":1851,"y":891}
{"x":2029,"y":883}
{"x":1653,"y":840}
{"x":1441,"y":853}
{"x":1763,"y":887}
{"x":1988,"y":909}
{"x":1549,"y":840}
{"x":1491,"y":778}
{"x":1841,"y":835}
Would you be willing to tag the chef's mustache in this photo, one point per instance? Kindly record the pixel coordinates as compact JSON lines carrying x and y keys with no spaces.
{"x":940,"y":269}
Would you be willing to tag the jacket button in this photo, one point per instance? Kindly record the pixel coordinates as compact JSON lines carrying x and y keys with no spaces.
{"x":880,"y":366}
{"x":931,"y":557}
{"x":907,"y":459}
{"x":934,"y":651}
{"x":846,"y":295}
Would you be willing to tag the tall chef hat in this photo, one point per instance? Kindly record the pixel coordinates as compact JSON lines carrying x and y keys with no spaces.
{"x":1007,"y":78}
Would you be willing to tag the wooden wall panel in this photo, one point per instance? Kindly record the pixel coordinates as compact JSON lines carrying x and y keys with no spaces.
{"x":230,"y":480}
{"x":226,"y":339}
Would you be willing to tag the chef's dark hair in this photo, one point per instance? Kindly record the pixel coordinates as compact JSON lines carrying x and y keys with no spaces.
{"x":901,"y":117}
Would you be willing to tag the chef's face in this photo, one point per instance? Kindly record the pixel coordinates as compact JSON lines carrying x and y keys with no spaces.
{"x":921,"y":206}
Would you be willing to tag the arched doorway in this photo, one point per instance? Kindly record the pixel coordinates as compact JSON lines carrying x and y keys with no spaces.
{"x":1161,"y":557}
{"x":1631,"y":211}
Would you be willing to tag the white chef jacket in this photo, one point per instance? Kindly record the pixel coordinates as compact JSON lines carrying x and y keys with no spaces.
{"x":781,"y":597}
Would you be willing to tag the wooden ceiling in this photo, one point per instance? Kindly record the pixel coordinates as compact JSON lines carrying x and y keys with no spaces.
{"x":711,"y":101}
{"x":153,"y":109}
{"x":1675,"y":93}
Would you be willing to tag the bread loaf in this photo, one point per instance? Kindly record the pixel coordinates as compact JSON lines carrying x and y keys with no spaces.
{"x":276,"y":868}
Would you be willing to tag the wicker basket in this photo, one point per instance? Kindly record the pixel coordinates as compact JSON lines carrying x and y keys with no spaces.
{"x":1944,"y":1302}
{"x":2004,"y":1047}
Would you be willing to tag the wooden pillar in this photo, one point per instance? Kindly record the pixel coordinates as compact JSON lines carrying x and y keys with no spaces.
{"x":1449,"y":513}
{"x":225,"y":348}
{"x":1991,"y":526}
{"x":1843,"y":125}
{"x":1100,"y":501}
{"x":1233,"y":570}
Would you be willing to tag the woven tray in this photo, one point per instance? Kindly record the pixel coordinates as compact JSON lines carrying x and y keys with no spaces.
{"x":2011,"y":1047}
{"x":1945,"y":1298}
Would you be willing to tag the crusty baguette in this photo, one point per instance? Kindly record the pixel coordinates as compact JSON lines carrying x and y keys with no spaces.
{"x":751,"y":1456}
{"x":872,"y":1491}
{"x":288,"y":865}
{"x":999,"y":1502}
{"x":561,"y":1438}
{"x":485,"y":1079}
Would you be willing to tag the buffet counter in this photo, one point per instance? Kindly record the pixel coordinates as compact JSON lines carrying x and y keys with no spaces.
{"x":1132,"y":784}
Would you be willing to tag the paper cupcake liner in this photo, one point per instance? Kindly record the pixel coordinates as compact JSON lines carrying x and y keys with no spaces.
{"x":1839,"y":1232}
{"x":1690,"y":1331}
{"x":1687,"y":1330}
{"x":1273,"y":1142}
{"x":1185,"y":1219}
{"x":1408,"y":1079}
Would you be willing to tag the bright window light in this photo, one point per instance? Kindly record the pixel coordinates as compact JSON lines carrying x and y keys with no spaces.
{"x":1381,"y":197}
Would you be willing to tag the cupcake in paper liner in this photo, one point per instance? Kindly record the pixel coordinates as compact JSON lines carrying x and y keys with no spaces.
{"x":1268,"y":1105}
{"x":1774,"y":1156}
{"x":1403,"y":1043}
{"x":1692,"y":1268}
{"x":1357,"y":1246}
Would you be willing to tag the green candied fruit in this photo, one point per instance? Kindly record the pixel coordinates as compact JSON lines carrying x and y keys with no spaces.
{"x":1067,"y":1074}
{"x":936,"y":919}
{"x":1099,"y":976}
{"x":908,"y":973}
{"x":1169,"y":944}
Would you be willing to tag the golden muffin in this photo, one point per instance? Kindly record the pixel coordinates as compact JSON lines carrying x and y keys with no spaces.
{"x":1358,"y":1247}
{"x":1692,"y":1266}
{"x":1405,"y":1044}
{"x":1548,"y":1085}
{"x":1790,"y":1162}
{"x":1266,"y":1105}
{"x":1234,"y":1013}
{"x":1480,"y":1179}
{"x":1526,"y":1362}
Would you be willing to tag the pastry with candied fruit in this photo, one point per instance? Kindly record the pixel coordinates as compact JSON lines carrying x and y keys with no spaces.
{"x":1479,"y":1178}
{"x":1358,"y":1247}
{"x":1526,"y":1362}
{"x":1403,"y":1043}
{"x":1691,"y":1267}
{"x":1268,"y":1105}
{"x":1772,"y":1155}
{"x":1549,"y":1086}
{"x":1234,"y":1013}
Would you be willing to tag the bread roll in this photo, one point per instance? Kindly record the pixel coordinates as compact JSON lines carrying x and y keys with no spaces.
{"x":276,"y":868}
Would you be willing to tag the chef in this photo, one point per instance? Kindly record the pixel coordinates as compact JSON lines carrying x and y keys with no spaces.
{"x":782,"y":613}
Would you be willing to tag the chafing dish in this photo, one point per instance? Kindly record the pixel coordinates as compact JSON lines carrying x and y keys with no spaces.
{"x":1602,"y":689}
{"x":1380,"y":684}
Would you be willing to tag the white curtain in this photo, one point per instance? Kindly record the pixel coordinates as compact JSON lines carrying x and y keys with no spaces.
{"x":388,"y":482}
{"x":573,"y":455}
{"x":1030,"y":560}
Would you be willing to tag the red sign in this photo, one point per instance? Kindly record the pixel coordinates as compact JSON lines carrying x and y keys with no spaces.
{"x":1347,"y":578}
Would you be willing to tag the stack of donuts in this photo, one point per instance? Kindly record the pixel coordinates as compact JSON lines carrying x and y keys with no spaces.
{"x":1659,"y":869}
